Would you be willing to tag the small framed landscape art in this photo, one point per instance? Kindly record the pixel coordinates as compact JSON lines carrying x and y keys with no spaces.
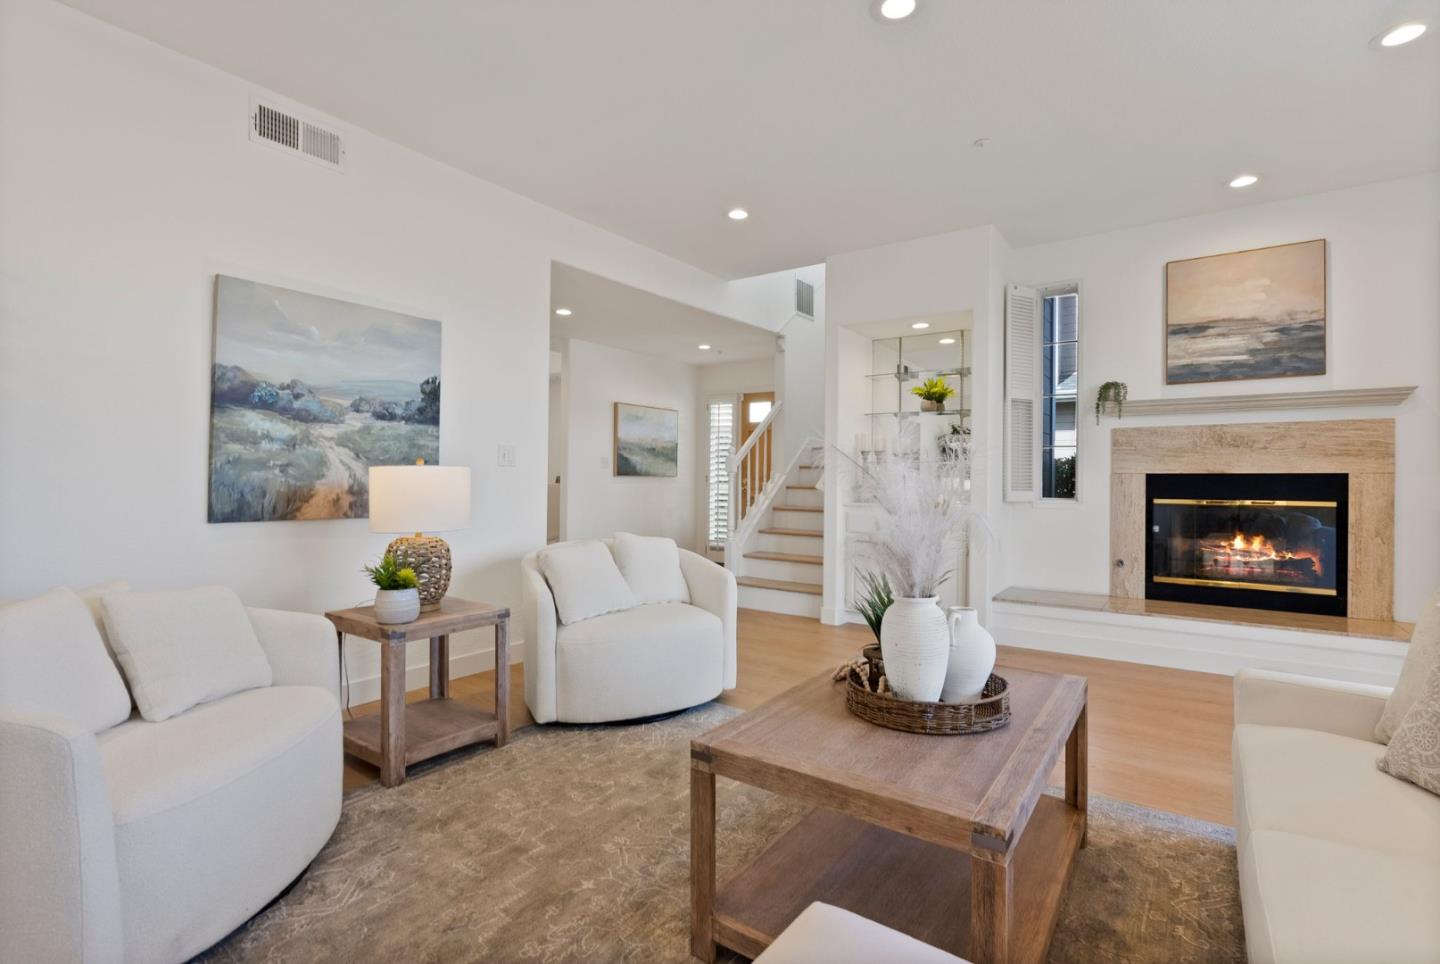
{"x":647,"y":441}
{"x":1246,"y":314}
{"x":307,"y":393}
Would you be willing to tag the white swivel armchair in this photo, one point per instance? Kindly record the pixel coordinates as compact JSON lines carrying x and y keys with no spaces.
{"x":640,"y":661}
{"x":150,"y":841}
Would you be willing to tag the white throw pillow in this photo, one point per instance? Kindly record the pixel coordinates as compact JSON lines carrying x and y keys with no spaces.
{"x":585,"y":581}
{"x":1422,"y":656}
{"x":1414,"y":751}
{"x":53,"y":663}
{"x":182,"y":647}
{"x":651,"y":566}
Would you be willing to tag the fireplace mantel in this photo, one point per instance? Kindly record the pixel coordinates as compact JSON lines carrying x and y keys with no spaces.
{"x":1364,"y":449}
{"x":1269,"y":401}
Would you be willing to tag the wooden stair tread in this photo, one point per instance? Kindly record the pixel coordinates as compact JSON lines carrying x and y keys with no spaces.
{"x":799,"y":486}
{"x":784,"y":585}
{"x":798,"y":508}
{"x":781,"y":531}
{"x":809,"y":560}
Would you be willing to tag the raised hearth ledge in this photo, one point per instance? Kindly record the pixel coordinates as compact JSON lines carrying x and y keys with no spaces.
{"x":1203,"y":639}
{"x":1120,"y":605}
{"x":1269,"y":401}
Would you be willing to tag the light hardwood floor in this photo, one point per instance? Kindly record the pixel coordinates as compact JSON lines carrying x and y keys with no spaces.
{"x":1158,"y":737}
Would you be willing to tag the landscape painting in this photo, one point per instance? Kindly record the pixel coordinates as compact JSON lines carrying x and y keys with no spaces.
{"x":647,"y":441}
{"x":1249,"y":314}
{"x":307,"y":393}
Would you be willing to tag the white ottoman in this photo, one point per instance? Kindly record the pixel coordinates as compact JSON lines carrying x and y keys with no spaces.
{"x":835,"y":936}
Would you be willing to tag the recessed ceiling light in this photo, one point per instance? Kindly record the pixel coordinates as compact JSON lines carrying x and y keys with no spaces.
{"x":738,"y":214}
{"x":1403,"y":34}
{"x":564,"y":312}
{"x":920,"y":325}
{"x":947,"y":341}
{"x":894,"y":9}
{"x":703,"y":347}
{"x":1244,"y":180}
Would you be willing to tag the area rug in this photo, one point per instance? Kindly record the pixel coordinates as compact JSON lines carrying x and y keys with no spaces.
{"x":572,"y":844}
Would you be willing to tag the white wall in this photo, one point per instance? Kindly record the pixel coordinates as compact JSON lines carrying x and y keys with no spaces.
{"x":597,"y":502}
{"x":802,"y":373}
{"x":1383,"y":329}
{"x":126,"y":182}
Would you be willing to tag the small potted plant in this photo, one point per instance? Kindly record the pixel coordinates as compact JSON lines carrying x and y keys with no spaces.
{"x":1107,"y":393}
{"x":933,"y":392}
{"x":875,"y":596}
{"x":397,"y":598}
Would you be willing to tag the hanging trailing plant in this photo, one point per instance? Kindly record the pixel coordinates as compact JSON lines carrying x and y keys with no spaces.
{"x":1115,"y":392}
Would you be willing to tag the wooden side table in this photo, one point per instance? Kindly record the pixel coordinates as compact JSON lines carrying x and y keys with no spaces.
{"x":403,"y":733}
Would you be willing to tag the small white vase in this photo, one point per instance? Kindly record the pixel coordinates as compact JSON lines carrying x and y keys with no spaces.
{"x":396,"y":605}
{"x":915,"y":644}
{"x":972,"y":657}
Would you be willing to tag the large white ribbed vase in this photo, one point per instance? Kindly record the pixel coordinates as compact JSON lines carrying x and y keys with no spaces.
{"x":915,"y":644}
{"x":972,"y":657}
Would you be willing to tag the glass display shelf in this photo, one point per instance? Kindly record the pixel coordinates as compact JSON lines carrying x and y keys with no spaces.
{"x":949,"y":412}
{"x":918,"y":374}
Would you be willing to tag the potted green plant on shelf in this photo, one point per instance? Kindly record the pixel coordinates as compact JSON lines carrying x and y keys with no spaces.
{"x":397,"y":593}
{"x":933,"y":393}
{"x":1110,"y":392}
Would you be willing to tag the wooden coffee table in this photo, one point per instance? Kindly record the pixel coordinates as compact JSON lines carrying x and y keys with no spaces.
{"x":908,"y":830}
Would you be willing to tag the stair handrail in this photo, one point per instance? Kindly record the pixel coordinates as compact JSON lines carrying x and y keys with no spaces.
{"x":742,"y":531}
{"x":737,"y":510}
{"x":742,"y":451}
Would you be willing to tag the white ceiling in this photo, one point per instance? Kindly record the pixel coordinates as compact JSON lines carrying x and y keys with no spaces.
{"x":653,"y":117}
{"x":610,"y":313}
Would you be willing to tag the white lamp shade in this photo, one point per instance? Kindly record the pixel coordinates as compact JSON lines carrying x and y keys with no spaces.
{"x":419,"y":498}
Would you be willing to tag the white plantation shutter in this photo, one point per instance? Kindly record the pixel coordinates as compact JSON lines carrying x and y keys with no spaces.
{"x":722,"y":440}
{"x":1022,"y":363}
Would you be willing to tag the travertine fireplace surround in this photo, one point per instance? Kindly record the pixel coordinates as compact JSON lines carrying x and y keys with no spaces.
{"x":1362,"y":448}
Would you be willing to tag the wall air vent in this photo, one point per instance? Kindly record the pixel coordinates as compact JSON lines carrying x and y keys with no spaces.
{"x":285,"y":130}
{"x":804,"y":298}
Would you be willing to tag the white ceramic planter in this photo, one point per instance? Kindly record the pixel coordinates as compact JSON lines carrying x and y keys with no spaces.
{"x":972,"y":657}
{"x":396,"y":605}
{"x":915,"y":644}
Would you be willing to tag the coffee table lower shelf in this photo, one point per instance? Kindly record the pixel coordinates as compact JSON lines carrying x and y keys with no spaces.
{"x":918,"y":888}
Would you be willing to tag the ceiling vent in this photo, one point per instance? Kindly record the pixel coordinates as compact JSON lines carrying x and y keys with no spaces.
{"x":287,"y":131}
{"x":804,"y":298}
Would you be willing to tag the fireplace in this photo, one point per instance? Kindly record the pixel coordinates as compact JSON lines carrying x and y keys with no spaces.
{"x":1271,"y":541}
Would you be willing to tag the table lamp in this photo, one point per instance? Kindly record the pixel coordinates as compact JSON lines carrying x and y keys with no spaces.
{"x":421,"y":498}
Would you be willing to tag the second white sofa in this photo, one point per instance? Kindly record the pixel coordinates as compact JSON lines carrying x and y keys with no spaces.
{"x":1339,"y":862}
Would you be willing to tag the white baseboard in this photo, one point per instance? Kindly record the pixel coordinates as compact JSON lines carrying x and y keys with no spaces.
{"x":366,"y":689}
{"x":1209,"y":647}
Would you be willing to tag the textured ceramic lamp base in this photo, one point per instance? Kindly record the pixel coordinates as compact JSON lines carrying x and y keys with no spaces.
{"x":429,"y":556}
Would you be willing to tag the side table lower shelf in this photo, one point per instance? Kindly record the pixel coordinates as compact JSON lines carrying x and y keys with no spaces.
{"x":432,"y":727}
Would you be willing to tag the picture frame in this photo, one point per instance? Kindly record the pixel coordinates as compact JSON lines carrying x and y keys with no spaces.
{"x":1257,"y":313}
{"x":646,"y":441}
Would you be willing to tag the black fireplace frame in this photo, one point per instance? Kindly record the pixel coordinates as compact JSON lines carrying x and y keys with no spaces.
{"x":1278,"y":486}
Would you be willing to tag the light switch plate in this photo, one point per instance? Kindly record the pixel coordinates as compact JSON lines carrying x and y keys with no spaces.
{"x":507,"y":456}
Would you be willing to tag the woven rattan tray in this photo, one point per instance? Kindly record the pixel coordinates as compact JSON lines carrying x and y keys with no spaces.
{"x":991,"y":712}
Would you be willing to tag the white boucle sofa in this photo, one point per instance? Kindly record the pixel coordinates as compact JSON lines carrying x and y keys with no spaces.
{"x":641,"y":661}
{"x":1339,"y":862}
{"x":150,"y":841}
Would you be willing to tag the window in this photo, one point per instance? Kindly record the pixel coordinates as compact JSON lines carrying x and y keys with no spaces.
{"x":1060,"y":392}
{"x":722,"y":441}
{"x":757,"y":411}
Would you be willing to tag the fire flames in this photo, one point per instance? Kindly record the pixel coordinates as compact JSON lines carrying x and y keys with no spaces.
{"x":1247,"y":555}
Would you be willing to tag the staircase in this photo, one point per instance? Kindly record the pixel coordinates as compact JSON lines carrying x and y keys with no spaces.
{"x":778,"y":563}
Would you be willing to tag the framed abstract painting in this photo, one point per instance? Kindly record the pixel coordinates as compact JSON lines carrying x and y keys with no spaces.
{"x":307,"y":393}
{"x":1246,"y":314}
{"x":647,"y":441}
